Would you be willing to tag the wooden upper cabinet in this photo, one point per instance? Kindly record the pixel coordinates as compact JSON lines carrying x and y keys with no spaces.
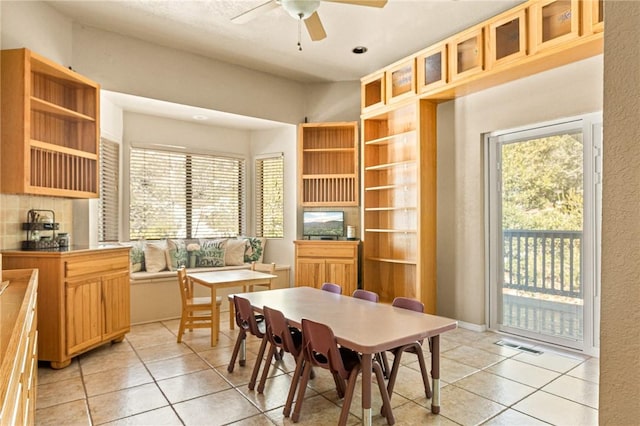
{"x":467,"y":54}
{"x":431,"y":68}
{"x":401,"y":81}
{"x":328,"y":164}
{"x":553,"y":22}
{"x":506,"y":38}
{"x":372,"y":91}
{"x":50,"y":128}
{"x":592,"y":16}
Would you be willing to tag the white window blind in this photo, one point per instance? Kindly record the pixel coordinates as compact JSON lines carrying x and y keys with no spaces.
{"x":108,"y":204}
{"x":269,"y":186}
{"x":184,"y":195}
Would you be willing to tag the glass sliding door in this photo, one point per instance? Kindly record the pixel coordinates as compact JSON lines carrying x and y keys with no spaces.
{"x":542,"y":234}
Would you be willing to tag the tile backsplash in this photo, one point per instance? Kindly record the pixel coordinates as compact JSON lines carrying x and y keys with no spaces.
{"x":13,"y":212}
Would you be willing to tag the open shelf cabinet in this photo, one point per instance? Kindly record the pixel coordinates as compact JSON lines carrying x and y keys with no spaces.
{"x":399,"y":206}
{"x":50,"y":128}
{"x":328,"y":164}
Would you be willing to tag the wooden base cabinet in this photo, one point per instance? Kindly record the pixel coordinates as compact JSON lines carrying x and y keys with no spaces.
{"x":86,"y":296}
{"x":320,"y":261}
{"x":19,"y":348}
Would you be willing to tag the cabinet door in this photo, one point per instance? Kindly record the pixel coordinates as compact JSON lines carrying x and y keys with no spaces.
{"x":467,"y":54}
{"x":343,"y":272}
{"x":310,"y":272}
{"x":84,"y":314}
{"x":115,"y":304}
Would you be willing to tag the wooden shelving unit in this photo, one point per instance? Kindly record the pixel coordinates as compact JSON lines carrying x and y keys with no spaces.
{"x":399,"y":128}
{"x":50,"y":128}
{"x":399,"y":202}
{"x":328,"y":164}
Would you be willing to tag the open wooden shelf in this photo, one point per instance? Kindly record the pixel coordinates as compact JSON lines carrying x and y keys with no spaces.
{"x":50,"y":145}
{"x":399,"y":202}
{"x":328,"y":169}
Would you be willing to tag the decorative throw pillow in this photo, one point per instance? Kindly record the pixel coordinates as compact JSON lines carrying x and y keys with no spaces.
{"x":177,"y":255}
{"x":254,"y":249}
{"x":211,"y":253}
{"x":137,"y":255}
{"x":155,"y":259}
{"x":234,"y":254}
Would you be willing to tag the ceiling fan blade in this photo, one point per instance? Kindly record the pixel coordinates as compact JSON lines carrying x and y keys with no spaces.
{"x":370,"y":3}
{"x":255,"y":12}
{"x":314,"y":27}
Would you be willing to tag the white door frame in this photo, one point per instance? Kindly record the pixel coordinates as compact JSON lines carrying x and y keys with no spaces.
{"x":591,"y":126}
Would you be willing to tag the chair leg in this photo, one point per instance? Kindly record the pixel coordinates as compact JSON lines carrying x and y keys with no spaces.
{"x":348,"y":395}
{"x":294,"y":384}
{"x":241,"y":336}
{"x":386,"y":402}
{"x":256,"y":366}
{"x":181,"y":327}
{"x":394,"y":372}
{"x":384,"y":364}
{"x":340,"y":386}
{"x":423,"y":370}
{"x":266,"y":368}
{"x":301,"y":390}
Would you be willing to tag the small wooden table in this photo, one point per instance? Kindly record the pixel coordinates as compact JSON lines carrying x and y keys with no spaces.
{"x":244,"y":278}
{"x":360,"y":325}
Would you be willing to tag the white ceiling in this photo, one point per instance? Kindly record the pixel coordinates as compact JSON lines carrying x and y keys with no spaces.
{"x":269,"y":42}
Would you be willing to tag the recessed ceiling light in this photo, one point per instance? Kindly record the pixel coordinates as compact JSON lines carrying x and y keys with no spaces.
{"x":200,"y":117}
{"x":359,"y":50}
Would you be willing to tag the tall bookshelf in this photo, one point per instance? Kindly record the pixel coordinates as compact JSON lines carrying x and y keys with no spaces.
{"x":399,"y":206}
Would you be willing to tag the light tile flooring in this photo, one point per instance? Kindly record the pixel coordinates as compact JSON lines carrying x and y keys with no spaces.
{"x":149,"y":379}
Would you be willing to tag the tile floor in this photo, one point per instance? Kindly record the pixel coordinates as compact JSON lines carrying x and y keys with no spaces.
{"x":149,"y":379}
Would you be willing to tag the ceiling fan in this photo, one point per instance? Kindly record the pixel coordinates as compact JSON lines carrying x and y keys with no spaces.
{"x":303,"y":10}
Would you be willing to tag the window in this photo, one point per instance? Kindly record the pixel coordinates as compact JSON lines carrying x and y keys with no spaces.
{"x":269,"y":176}
{"x":184,"y":195}
{"x":108,"y":205}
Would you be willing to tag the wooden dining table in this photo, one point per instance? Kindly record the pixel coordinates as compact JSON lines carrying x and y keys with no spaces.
{"x":360,"y":325}
{"x":215,"y":280}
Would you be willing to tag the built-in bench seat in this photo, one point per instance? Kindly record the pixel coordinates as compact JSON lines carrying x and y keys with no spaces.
{"x":155,"y":294}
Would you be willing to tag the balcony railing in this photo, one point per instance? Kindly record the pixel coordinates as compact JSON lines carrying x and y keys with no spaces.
{"x":547,"y":262}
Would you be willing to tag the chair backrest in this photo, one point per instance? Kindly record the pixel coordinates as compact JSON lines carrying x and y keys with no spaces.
{"x":331,"y":287}
{"x":366,"y":295}
{"x":320,"y":347}
{"x":408,"y":303}
{"x":245,"y":317}
{"x":184,"y":284}
{"x":279,"y":333}
{"x":269,"y":268}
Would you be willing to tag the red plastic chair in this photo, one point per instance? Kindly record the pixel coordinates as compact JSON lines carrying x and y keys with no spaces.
{"x":320,"y":349}
{"x":332,"y":288}
{"x":414,"y":348}
{"x":280,"y":336}
{"x":248,"y":323}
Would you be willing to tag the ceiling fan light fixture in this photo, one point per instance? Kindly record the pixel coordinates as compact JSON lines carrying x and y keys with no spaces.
{"x":300,"y":9}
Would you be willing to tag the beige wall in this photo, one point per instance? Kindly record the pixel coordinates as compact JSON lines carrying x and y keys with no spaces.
{"x":127,"y":65}
{"x":620,"y":321}
{"x":563,"y":92}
